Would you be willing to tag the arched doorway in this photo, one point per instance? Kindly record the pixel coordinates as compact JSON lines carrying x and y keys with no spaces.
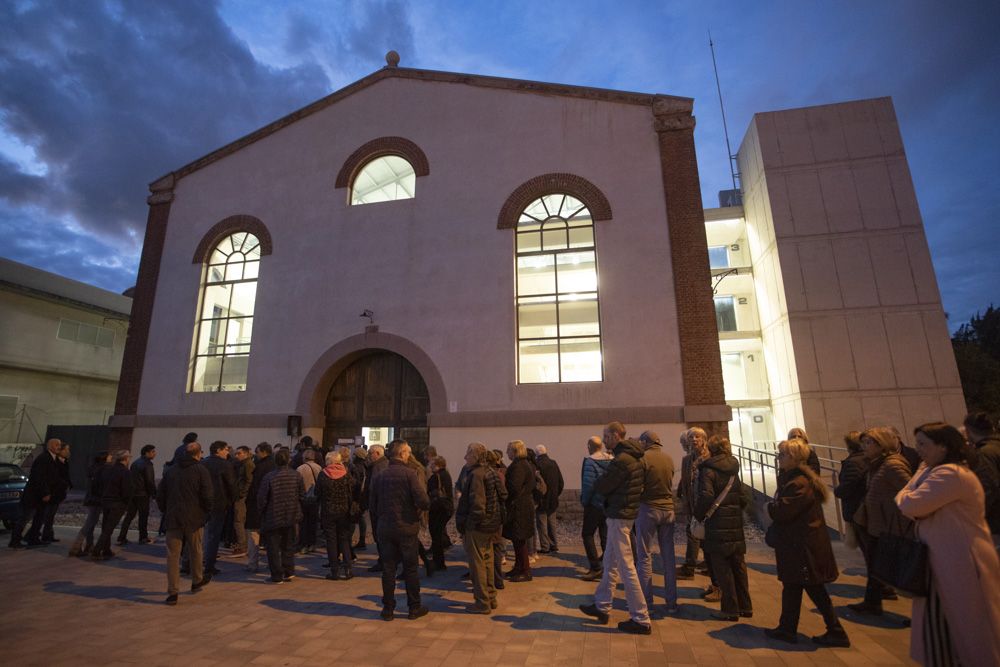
{"x":380,"y":395}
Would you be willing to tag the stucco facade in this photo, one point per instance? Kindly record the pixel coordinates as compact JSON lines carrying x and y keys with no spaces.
{"x":437,"y":270}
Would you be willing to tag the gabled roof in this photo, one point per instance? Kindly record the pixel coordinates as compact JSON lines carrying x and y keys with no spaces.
{"x":392,"y":71}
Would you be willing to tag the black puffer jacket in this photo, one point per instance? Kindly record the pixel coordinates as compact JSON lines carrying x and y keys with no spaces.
{"x":279,"y":499}
{"x":520,"y":483}
{"x":93,"y":495}
{"x":622,"y":485}
{"x":398,"y":498}
{"x":853,"y":484}
{"x":724,"y":530}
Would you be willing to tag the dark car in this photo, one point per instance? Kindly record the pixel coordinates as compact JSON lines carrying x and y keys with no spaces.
{"x":12,"y":483}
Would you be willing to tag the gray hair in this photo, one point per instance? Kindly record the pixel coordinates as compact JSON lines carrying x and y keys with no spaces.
{"x":540,"y":450}
{"x":479,"y":449}
{"x":332,"y":457}
{"x":376,"y":449}
{"x":122,"y":455}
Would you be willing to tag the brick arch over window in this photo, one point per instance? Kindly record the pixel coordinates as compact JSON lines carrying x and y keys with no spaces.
{"x":231,"y":225}
{"x":549,"y":184}
{"x":381,"y":147}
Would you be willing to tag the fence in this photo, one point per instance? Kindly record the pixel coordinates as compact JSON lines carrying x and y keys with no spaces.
{"x":759,"y":466}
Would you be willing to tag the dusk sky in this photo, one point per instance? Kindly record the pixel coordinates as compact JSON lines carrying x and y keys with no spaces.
{"x":97,"y":99}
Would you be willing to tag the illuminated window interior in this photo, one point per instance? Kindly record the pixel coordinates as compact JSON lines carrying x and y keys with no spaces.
{"x":385,"y":178}
{"x":225,"y":321}
{"x":558,"y":323}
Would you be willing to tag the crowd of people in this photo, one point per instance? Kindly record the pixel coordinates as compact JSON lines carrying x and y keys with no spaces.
{"x":277,"y":503}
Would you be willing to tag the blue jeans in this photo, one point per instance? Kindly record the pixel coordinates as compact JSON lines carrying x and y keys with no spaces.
{"x":654,"y":528}
{"x":213,"y":536}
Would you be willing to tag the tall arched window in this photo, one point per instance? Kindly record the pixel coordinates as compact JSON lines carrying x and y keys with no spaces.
{"x":385,"y":178}
{"x":558,"y":319}
{"x":225,"y":318}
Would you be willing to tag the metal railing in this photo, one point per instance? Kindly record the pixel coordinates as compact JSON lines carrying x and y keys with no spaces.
{"x":759,"y":467}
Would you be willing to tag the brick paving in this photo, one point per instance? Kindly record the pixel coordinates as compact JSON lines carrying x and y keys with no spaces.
{"x":64,"y":611}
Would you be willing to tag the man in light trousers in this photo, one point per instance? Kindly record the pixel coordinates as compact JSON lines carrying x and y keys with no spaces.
{"x":654,"y":526}
{"x":622,"y":488}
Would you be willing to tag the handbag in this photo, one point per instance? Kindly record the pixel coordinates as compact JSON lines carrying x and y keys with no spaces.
{"x":697,"y":527}
{"x":902,"y":561}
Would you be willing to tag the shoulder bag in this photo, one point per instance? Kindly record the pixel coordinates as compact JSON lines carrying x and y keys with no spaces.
{"x":696,"y":527}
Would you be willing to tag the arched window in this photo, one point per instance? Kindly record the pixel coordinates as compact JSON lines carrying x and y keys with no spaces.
{"x":558,"y":319}
{"x":225,"y":318}
{"x":385,"y":178}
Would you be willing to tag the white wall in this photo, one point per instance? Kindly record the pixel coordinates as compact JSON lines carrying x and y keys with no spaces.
{"x":434,"y":269}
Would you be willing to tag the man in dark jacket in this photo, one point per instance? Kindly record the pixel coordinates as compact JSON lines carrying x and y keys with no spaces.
{"x":59,"y":491}
{"x":263,"y":465}
{"x":279,"y":501}
{"x":981,"y":435}
{"x":116,"y":492}
{"x":622,"y":488}
{"x":42,"y":480}
{"x":545,"y":517}
{"x":377,"y":462}
{"x":185,"y":499}
{"x":654,"y":525}
{"x":243,"y":465}
{"x":479,"y":519}
{"x":143,"y":489}
{"x":396,"y":502}
{"x":223,"y":495}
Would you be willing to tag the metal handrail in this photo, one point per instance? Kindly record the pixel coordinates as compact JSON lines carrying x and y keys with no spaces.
{"x":748,"y":454}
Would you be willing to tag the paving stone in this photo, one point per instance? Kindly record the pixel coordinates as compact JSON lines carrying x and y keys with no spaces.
{"x":241,"y":619}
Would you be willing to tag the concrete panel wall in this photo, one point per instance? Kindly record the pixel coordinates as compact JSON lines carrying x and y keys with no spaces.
{"x":867,"y":335}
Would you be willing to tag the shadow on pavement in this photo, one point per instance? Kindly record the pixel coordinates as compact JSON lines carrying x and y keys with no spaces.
{"x":853,"y":591}
{"x":740,"y":635}
{"x":766,"y":568}
{"x":126,"y":593}
{"x":888,"y":620}
{"x":543,"y":620}
{"x":320,"y":608}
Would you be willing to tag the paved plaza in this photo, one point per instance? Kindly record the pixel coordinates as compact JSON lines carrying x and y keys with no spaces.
{"x":65,"y":611}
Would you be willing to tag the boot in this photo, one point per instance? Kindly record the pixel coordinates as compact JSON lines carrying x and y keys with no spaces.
{"x":833,"y":637}
{"x":346,"y":572}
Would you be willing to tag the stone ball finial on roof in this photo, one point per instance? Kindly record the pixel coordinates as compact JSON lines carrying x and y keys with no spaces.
{"x":392,"y":59}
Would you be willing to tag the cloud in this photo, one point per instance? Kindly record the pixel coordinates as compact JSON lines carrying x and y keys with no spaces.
{"x":111,"y":96}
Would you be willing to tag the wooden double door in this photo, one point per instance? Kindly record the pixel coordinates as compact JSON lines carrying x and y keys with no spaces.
{"x":380,"y":389}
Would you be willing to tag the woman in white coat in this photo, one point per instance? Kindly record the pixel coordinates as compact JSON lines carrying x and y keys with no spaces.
{"x":959,"y":622}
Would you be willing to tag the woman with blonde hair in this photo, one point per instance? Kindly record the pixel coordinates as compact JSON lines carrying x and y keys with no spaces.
{"x":888,"y":472}
{"x":802,"y":549}
{"x":959,"y":621}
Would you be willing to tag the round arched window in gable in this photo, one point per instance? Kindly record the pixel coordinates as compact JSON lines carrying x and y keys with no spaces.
{"x":385,"y":178}
{"x":225,"y":316}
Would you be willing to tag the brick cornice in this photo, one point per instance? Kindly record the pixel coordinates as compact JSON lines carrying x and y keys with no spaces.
{"x":548,"y":184}
{"x":231,"y":225}
{"x":381,"y":147}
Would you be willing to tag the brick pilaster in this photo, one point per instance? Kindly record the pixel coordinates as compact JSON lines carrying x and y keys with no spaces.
{"x":701,"y":362}
{"x":127,"y":401}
